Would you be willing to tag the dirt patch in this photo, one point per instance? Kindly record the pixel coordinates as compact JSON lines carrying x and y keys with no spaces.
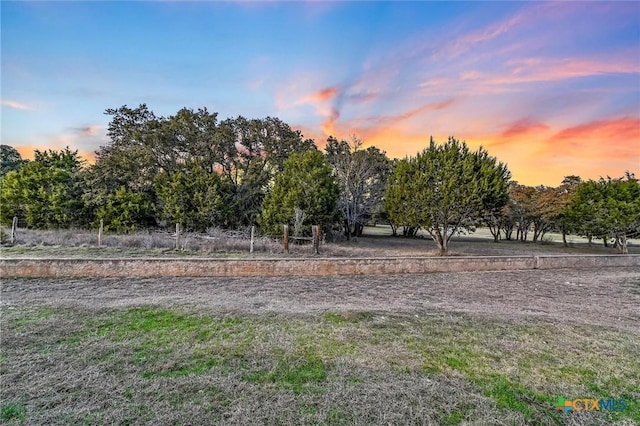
{"x":605,"y":297}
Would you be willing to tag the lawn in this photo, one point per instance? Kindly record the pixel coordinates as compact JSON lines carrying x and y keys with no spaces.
{"x":441,"y":348}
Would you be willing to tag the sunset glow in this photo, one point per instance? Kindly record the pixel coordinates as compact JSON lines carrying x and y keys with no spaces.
{"x":550,"y":88}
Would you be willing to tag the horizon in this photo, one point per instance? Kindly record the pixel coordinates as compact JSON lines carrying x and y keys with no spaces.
{"x":549,"y":88}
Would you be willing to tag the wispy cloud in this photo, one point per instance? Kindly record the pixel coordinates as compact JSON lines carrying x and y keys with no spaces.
{"x":530,"y":70}
{"x":15,"y":105}
{"x":465,"y":42}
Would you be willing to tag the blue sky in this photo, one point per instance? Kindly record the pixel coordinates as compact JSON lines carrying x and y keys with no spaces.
{"x":550,"y":88}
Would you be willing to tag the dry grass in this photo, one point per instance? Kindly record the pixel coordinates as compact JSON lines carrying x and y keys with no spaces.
{"x":75,"y":242}
{"x":377,"y":242}
{"x":470,"y":348}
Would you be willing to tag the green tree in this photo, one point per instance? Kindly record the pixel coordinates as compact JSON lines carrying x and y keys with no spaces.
{"x":362,"y":175}
{"x":445,"y":189}
{"x":124,"y":210}
{"x":306,"y":185}
{"x":11,"y":197}
{"x":193,"y":197}
{"x":607,"y":208}
{"x":10,"y":159}
{"x":398,"y":196}
{"x":45,"y":191}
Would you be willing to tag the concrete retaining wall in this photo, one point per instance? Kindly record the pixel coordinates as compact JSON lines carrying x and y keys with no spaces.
{"x":200,"y":267}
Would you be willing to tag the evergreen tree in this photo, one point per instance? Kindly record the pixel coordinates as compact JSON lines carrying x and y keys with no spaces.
{"x":445,"y":189}
{"x":305,"y":186}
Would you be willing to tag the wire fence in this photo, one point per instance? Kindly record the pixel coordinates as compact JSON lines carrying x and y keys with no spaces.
{"x":248,"y":239}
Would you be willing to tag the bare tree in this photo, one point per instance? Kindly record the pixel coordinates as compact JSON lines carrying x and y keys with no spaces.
{"x":362,"y":175}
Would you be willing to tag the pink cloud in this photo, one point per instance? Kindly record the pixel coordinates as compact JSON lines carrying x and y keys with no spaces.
{"x":15,"y":105}
{"x":540,"y":69}
{"x":523,"y":127}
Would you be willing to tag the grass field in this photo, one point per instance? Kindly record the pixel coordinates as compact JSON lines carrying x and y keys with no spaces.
{"x":443,"y":348}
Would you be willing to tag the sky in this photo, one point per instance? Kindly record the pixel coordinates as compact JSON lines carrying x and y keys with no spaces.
{"x":549,"y":88}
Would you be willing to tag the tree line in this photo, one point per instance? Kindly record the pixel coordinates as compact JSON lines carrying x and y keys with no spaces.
{"x":199,"y":172}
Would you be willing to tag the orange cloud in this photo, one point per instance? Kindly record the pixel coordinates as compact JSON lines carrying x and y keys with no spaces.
{"x":15,"y":105}
{"x":324,"y":94}
{"x":329,"y":125}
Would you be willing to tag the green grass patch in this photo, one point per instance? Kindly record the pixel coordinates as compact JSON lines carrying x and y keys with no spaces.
{"x":343,"y":318}
{"x":458,"y":416}
{"x":12,"y":412}
{"x":296,"y":372}
{"x":517,"y":397}
{"x":31,"y":316}
{"x":163,"y":321}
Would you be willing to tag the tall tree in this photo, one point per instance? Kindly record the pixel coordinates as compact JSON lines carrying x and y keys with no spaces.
{"x":44,"y":192}
{"x":306,"y":188}
{"x":362,"y":175}
{"x":445,"y":189}
{"x":246,"y":153}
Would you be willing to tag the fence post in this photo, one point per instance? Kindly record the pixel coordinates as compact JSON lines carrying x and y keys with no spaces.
{"x":14,"y":226}
{"x":316,"y":238}
{"x":177,"y":236}
{"x":100,"y":231}
{"x":286,"y":238}
{"x":253,"y":229}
